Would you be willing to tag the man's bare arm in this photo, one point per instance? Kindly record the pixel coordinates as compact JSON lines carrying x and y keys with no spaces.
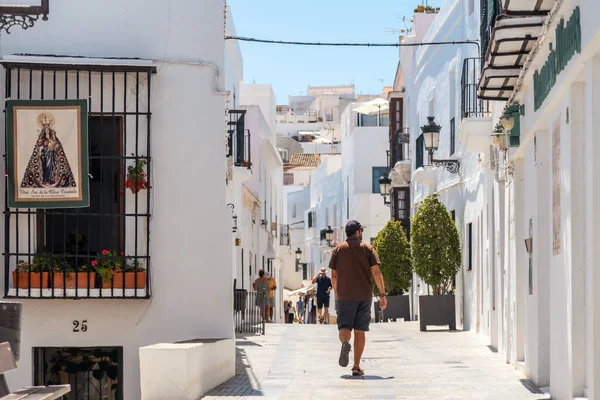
{"x":334,"y":281}
{"x":378,"y":276}
{"x":316,"y":277}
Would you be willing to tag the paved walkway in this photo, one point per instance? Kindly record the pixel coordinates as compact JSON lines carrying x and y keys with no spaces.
{"x":300,"y":362}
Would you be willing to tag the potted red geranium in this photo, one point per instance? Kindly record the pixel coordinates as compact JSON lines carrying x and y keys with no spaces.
{"x":117,"y":275}
{"x":136,"y":177}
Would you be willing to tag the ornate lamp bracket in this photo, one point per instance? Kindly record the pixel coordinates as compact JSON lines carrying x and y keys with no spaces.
{"x":23,"y":16}
{"x":452,"y":166}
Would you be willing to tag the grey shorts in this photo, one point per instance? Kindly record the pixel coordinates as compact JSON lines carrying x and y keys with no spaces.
{"x":353,"y":315}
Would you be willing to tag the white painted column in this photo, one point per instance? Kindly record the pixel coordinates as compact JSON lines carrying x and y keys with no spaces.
{"x":560,"y":276}
{"x":542,"y":251}
{"x":521,"y":260}
{"x":509,"y":274}
{"x":576,"y":315}
{"x":501,"y":277}
{"x":592,"y":227}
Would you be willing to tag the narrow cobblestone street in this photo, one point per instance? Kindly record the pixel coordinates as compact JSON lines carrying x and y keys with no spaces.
{"x":300,"y":362}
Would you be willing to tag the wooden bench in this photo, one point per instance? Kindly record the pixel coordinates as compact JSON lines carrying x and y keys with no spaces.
{"x":8,"y":363}
{"x":39,"y":393}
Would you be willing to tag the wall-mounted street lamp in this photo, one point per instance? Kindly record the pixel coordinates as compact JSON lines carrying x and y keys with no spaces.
{"x":431,"y":137}
{"x":329,"y":235}
{"x":298,"y":257}
{"x":499,"y":136}
{"x":385,"y":186}
{"x":233,"y":217}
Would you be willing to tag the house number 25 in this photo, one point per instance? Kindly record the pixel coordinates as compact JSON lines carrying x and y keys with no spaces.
{"x":80,"y":326}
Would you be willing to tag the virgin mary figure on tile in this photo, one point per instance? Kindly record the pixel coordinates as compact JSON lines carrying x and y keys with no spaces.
{"x":48,"y":165}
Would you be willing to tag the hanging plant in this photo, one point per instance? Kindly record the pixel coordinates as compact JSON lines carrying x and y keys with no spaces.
{"x":136,"y":177}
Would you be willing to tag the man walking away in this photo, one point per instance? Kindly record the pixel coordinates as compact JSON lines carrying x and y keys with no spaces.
{"x":354,"y":265}
{"x":323,"y":289}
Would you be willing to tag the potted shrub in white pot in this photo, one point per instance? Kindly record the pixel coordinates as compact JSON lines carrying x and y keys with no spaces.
{"x":437,"y":259}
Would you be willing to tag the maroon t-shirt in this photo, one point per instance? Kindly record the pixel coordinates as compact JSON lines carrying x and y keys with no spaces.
{"x":352,"y":261}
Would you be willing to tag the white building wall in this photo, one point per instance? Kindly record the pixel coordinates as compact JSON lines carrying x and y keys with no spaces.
{"x":432,"y":80}
{"x":362,"y":149}
{"x":553,"y":328}
{"x":183,"y":256}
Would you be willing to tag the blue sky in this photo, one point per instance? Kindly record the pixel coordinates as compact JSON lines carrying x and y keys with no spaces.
{"x":290,"y":69}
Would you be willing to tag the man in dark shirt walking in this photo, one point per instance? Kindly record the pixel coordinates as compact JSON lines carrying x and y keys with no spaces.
{"x":354,"y":266}
{"x":323,"y":289}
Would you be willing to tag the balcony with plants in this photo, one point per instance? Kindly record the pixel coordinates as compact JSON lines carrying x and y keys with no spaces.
{"x":509,"y":30}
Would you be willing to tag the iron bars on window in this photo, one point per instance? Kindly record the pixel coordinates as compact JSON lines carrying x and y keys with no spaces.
{"x":100,"y":251}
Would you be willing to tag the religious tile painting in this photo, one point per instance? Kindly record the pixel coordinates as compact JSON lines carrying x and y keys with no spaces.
{"x":47,"y":150}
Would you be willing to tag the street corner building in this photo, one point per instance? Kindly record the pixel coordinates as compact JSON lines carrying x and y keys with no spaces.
{"x":115,"y":224}
{"x":513,"y":161}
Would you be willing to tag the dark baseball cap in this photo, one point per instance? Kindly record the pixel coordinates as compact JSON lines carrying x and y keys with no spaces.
{"x":352,"y":227}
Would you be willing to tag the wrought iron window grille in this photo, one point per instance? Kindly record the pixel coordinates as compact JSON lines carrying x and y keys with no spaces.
{"x":238,"y":142}
{"x":119,"y":119}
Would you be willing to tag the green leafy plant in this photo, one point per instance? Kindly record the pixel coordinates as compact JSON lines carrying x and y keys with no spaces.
{"x":396,"y":259}
{"x":136,"y":177}
{"x":109,"y":262}
{"x":25,"y":266}
{"x":435,"y":245}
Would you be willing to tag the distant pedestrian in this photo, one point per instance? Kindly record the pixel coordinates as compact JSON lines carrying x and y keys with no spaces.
{"x":272,"y":288}
{"x":323,"y":289}
{"x":354,"y":266}
{"x":300,"y":309}
{"x":261,"y":286}
{"x":289,"y":314}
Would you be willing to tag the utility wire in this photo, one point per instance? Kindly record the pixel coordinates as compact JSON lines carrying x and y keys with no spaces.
{"x":342,"y":44}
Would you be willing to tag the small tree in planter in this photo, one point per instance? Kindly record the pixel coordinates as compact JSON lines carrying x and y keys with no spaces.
{"x":396,"y":266}
{"x":437,"y":259}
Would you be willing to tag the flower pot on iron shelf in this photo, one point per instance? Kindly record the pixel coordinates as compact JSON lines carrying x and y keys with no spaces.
{"x":81,"y":280}
{"x":32,"y":275}
{"x":126,"y":280}
{"x":136,"y":184}
{"x":30,"y":280}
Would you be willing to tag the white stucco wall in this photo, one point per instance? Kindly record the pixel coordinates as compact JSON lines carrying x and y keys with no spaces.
{"x":561,"y":349}
{"x":362,"y":149}
{"x":184,"y":278}
{"x":432,"y":79}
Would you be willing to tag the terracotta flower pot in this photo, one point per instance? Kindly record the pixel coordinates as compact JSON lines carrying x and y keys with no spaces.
{"x":129,"y":280}
{"x":80,"y":279}
{"x":135,"y":189}
{"x":24,"y":282}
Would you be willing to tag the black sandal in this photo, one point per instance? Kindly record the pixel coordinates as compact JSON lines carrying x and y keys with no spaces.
{"x":344,"y":354}
{"x":356,"y":371}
